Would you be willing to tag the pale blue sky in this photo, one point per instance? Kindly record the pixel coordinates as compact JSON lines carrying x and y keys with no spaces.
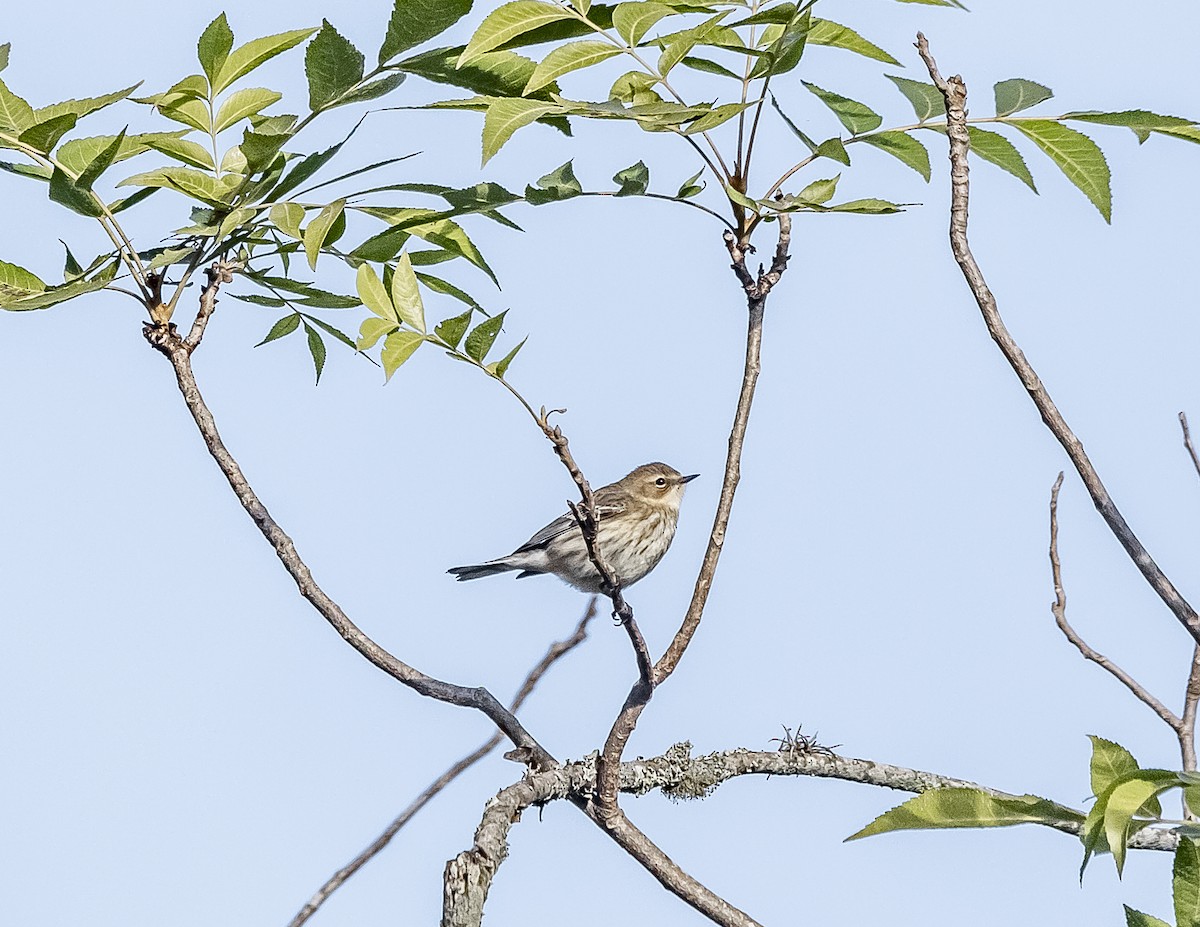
{"x":186,"y":742}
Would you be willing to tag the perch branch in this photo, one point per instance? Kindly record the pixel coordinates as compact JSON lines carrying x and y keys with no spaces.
{"x":955,"y":92}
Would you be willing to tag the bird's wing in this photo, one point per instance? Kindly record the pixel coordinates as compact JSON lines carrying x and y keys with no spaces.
{"x":605,"y":508}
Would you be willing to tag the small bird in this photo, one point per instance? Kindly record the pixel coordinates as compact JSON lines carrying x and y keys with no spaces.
{"x":636,"y":516}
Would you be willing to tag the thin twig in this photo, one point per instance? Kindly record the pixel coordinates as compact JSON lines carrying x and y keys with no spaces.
{"x":165,"y":338}
{"x":1187,"y":735}
{"x":955,"y":93}
{"x":1059,"y":609}
{"x":557,"y":651}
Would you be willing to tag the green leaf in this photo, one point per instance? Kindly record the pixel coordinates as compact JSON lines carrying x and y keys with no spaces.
{"x":65,"y":192}
{"x":244,"y":103}
{"x":450,"y":236}
{"x":83,"y":107}
{"x":903,"y":146}
{"x":824,"y":32}
{"x":483,"y":336}
{"x":15,"y":113}
{"x":333,"y":66}
{"x":182,"y":149}
{"x":993,"y":147}
{"x":559,"y":184}
{"x":246,"y":58}
{"x":1110,"y":762}
{"x":834,"y":150}
{"x":737,"y":196}
{"x":336,"y":333}
{"x":374,"y":295}
{"x":214,"y":46}
{"x":1077,"y":156}
{"x":374,"y":90}
{"x":417,"y":21}
{"x":399,"y":347}
{"x":856,"y":117}
{"x":316,"y":347}
{"x":16,"y":282}
{"x":1124,"y":801}
{"x":495,"y":74}
{"x":785,"y":52}
{"x":1186,"y":883}
{"x":819,"y":191}
{"x":1140,"y":121}
{"x":947,"y":808}
{"x":451,"y":330}
{"x":633,"y":180}
{"x":1138,"y":919}
{"x":287,"y":218}
{"x":500,"y":367}
{"x":72,"y":269}
{"x":45,"y":135}
{"x":781,"y":14}
{"x":709,"y":67}
{"x":285,"y":326}
{"x":716,"y":117}
{"x":504,"y":117}
{"x":196,"y":184}
{"x":680,"y":45}
{"x":634,"y":20}
{"x":438,"y":285}
{"x":4,"y":51}
{"x":1014,"y":95}
{"x":567,"y":58}
{"x":257,"y":299}
{"x":406,"y":295}
{"x":867,"y":207}
{"x":52,"y":296}
{"x":371,"y":330}
{"x":507,"y":22}
{"x":319,"y":230}
{"x":689,"y":187}
{"x":927,"y":101}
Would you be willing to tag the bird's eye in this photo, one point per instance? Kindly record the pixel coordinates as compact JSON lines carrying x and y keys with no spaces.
{"x":661,"y":481}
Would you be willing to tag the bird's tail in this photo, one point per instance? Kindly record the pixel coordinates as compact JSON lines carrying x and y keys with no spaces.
{"x":480,"y":570}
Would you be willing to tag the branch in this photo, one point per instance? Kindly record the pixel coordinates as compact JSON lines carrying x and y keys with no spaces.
{"x":469,"y":875}
{"x":955,"y":93}
{"x":557,"y":650}
{"x":1059,"y":608}
{"x":166,"y":339}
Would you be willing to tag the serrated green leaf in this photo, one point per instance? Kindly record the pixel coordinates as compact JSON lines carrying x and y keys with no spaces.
{"x":867,"y":207}
{"x":45,"y":135}
{"x":71,"y":267}
{"x":374,"y":89}
{"x":438,"y":285}
{"x":214,"y":45}
{"x":4,"y":52}
{"x":1014,"y":95}
{"x":374,"y":295}
{"x":51,"y":296}
{"x":319,"y":230}
{"x":904,"y":147}
{"x":399,"y":347}
{"x":191,"y":113}
{"x":257,"y":299}
{"x":500,"y":367}
{"x":246,"y":58}
{"x":316,"y":347}
{"x":287,"y":218}
{"x":633,"y":180}
{"x":82,"y":107}
{"x":715,"y":117}
{"x":185,"y":150}
{"x":1077,"y":156}
{"x":633,"y":20}
{"x":680,"y":45}
{"x":1110,"y":762}
{"x":855,"y":116}
{"x":635,"y":87}
{"x":494,"y":74}
{"x":949,"y":808}
{"x":1141,"y":122}
{"x":65,"y":192}
{"x":371,"y":330}
{"x":780,"y":14}
{"x":819,"y":191}
{"x":507,"y":22}
{"x":560,"y":184}
{"x":120,"y":205}
{"x":406,"y":295}
{"x":196,"y":184}
{"x":165,"y":257}
{"x":737,"y":196}
{"x":1186,"y":883}
{"x":244,"y":103}
{"x":16,"y":282}
{"x":567,"y":58}
{"x":1124,"y":800}
{"x":927,"y":101}
{"x":483,"y":336}
{"x":834,"y":149}
{"x":825,"y":32}
{"x":1138,"y":919}
{"x":504,"y":117}
{"x":689,"y":187}
{"x":416,"y":21}
{"x":451,"y":330}
{"x":709,"y":67}
{"x":75,"y":155}
{"x":329,"y":329}
{"x":784,"y":52}
{"x":285,"y":326}
{"x":333,"y":66}
{"x":15,"y":113}
{"x":995,"y":148}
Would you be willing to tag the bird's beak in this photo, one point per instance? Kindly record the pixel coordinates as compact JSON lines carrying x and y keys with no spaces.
{"x":688,"y":479}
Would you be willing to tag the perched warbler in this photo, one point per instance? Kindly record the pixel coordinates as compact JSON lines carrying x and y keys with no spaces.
{"x":636,"y":523}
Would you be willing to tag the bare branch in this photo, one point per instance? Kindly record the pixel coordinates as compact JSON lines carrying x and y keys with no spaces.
{"x":955,"y":93}
{"x":1059,"y":608}
{"x":164,"y":337}
{"x":469,"y":875}
{"x":556,"y":651}
{"x":1187,"y":442}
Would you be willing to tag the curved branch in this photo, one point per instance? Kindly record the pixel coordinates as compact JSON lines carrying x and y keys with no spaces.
{"x":165,"y":338}
{"x":469,"y":875}
{"x":557,"y":650}
{"x":955,"y":92}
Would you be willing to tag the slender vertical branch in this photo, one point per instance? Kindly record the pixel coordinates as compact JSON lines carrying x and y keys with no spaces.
{"x":955,"y":92}
{"x":557,"y":651}
{"x":166,"y":339}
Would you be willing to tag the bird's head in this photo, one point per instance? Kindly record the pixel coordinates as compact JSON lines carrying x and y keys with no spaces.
{"x":657,"y":484}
